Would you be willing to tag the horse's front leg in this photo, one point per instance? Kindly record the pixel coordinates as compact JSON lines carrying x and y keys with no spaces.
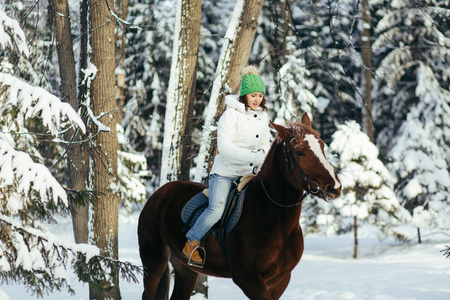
{"x":278,"y":285}
{"x":252,"y":285}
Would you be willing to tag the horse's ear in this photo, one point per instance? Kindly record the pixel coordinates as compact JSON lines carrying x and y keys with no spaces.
{"x":306,"y":120}
{"x":282,"y":131}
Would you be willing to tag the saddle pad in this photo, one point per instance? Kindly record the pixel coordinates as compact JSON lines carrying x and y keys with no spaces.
{"x":199,"y":203}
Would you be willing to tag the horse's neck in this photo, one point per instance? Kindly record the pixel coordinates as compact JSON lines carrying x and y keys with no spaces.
{"x":277,"y":187}
{"x":274,"y":174}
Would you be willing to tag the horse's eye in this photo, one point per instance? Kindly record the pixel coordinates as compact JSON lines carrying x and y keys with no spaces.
{"x":300,"y":153}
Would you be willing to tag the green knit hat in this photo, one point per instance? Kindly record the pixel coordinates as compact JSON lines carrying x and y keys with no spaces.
{"x":251,"y":82}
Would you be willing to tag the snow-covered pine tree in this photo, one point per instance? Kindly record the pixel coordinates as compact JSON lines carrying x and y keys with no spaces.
{"x":37,"y":25}
{"x":413,"y":71}
{"x":22,"y":102}
{"x":421,"y":155}
{"x":368,"y":195}
{"x":32,"y":67}
{"x":409,"y":34}
{"x":28,"y":191}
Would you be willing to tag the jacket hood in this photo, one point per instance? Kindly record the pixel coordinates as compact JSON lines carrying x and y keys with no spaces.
{"x":232,"y":102}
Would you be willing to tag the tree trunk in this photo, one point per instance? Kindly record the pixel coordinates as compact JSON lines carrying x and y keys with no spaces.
{"x":121,"y":7}
{"x":175,"y":163}
{"x":355,"y":246}
{"x":77,"y":173}
{"x":366,"y":53}
{"x":64,"y":48}
{"x":235,"y":52}
{"x":177,"y":146}
{"x":80,"y":219}
{"x":286,"y":16}
{"x":104,"y":145}
{"x":418,"y":235}
{"x":83,"y":50}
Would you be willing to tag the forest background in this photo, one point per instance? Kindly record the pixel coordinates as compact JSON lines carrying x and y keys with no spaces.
{"x":147,"y":80}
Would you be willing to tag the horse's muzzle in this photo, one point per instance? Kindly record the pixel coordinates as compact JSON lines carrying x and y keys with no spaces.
{"x":331,"y":193}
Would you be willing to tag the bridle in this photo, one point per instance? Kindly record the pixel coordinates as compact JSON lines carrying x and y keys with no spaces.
{"x":290,"y":164}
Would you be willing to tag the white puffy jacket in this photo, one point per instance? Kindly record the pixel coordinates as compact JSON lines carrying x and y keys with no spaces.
{"x":240,"y":134}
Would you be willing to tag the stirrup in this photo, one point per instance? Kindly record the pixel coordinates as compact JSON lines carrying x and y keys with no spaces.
{"x":195,"y":264}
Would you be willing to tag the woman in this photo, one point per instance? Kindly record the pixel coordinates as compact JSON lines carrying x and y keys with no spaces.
{"x":243,"y":141}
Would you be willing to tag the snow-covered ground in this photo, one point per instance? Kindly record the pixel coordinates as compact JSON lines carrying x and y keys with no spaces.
{"x":384,"y":270}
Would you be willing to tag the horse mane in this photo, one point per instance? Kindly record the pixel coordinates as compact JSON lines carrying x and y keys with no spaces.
{"x":294,"y":127}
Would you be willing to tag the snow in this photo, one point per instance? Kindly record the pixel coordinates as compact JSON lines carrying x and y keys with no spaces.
{"x":420,"y":153}
{"x":11,"y":34}
{"x":367,"y":184}
{"x":295,"y":85}
{"x":89,"y":74}
{"x":173,"y":114}
{"x":34,"y":101}
{"x":385,"y":270}
{"x":322,"y":104}
{"x":352,"y":143}
{"x":412,"y":189}
{"x":17,"y":166}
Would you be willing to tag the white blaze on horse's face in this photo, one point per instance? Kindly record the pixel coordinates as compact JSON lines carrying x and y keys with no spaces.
{"x":314,"y":145}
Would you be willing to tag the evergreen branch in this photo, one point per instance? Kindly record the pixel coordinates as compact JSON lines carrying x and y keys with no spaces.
{"x":40,"y":261}
{"x":27,"y":190}
{"x":99,"y":271}
{"x":31,"y":101}
{"x":81,"y":198}
{"x":37,"y":260}
{"x":446,"y":252}
{"x":12,"y":35}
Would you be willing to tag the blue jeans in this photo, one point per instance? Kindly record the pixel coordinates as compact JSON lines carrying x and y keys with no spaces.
{"x":219,"y":187}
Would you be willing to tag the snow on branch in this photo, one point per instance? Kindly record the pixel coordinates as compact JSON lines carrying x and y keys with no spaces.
{"x":11,"y":35}
{"x":133,"y":170}
{"x":41,"y":260}
{"x":89,"y":74}
{"x":33,"y":102}
{"x":38,"y":259}
{"x":21,"y":179}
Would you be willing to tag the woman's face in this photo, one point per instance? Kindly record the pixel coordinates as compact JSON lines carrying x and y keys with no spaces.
{"x":254,"y":100}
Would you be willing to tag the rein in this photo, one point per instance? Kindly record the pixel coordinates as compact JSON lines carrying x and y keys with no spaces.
{"x":289,"y":160}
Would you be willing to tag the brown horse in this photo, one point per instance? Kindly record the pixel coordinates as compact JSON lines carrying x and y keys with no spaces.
{"x":267,"y":242}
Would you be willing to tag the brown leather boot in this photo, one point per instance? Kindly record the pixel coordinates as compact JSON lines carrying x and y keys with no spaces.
{"x":190,"y":252}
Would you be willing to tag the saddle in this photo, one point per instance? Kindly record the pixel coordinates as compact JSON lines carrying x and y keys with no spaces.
{"x":233,"y":210}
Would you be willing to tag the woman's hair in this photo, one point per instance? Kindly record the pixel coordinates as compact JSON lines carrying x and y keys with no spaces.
{"x":263,"y":105}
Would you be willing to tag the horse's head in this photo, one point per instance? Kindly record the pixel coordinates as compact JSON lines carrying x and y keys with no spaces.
{"x":306,"y":165}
